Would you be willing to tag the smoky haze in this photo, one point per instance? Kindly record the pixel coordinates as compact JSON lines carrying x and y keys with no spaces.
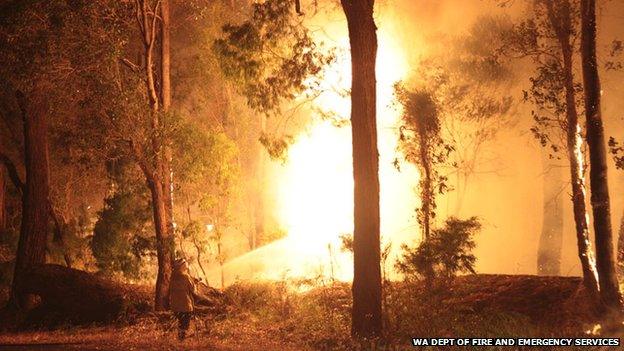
{"x":507,"y":188}
{"x":310,"y":195}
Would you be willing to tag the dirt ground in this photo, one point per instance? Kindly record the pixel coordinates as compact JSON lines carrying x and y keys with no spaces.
{"x":142,"y":337}
{"x":269,"y":316}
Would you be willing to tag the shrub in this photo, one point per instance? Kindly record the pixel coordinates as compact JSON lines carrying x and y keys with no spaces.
{"x":120,"y":236}
{"x":448,"y":251}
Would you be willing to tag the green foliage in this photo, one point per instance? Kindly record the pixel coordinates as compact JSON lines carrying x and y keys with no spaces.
{"x":447,"y":252}
{"x":120,"y":237}
{"x":271,"y":57}
{"x":421,"y":142}
{"x":468,"y":80}
{"x":206,"y":170}
{"x":539,"y":38}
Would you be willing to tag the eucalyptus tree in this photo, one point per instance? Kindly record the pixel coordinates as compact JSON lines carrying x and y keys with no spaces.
{"x":47,"y":48}
{"x":271,"y":57}
{"x":609,"y":286}
{"x":548,"y":37}
{"x":366,"y":319}
{"x":422,"y":143}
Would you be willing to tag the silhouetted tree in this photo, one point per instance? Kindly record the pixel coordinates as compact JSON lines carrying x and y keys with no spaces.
{"x":366,"y":314}
{"x":605,"y":260}
{"x":421,"y":142}
{"x":548,"y":38}
{"x":270,"y":58}
{"x":153,"y":159}
{"x":31,"y":249}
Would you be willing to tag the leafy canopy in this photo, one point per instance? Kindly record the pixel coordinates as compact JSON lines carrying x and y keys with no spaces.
{"x":271,"y":57}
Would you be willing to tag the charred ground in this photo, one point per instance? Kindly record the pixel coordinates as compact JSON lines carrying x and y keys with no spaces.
{"x":271,"y":315}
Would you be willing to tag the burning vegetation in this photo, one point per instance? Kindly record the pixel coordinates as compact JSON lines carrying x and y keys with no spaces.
{"x":308,"y":174}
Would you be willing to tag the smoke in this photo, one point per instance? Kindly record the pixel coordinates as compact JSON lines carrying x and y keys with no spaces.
{"x":311,"y":194}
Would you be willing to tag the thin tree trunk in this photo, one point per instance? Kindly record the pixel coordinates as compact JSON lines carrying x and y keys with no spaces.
{"x":31,"y":249}
{"x":12,"y":173}
{"x":605,"y":260}
{"x":366,"y":313}
{"x":575,"y":155}
{"x":426,"y":185}
{"x":60,"y":226}
{"x":199,"y":250}
{"x":165,"y":61}
{"x":165,"y":88}
{"x":549,"y":250}
{"x":156,"y":167}
{"x":620,"y":248}
{"x":562,"y":24}
{"x":259,"y":214}
{"x":164,"y":243}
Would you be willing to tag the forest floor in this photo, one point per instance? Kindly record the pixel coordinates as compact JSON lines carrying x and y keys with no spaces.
{"x":281,"y":316}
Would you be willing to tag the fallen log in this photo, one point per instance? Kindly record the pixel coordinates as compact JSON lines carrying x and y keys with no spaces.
{"x":72,"y":296}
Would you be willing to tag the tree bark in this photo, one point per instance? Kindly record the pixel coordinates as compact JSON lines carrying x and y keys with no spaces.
{"x":165,"y":61}
{"x":3,"y":187}
{"x":155,"y":166}
{"x":366,"y":313}
{"x":620,"y":248}
{"x":31,"y":249}
{"x":562,"y":25}
{"x":165,"y":74}
{"x":164,"y":243}
{"x":549,"y":250}
{"x":605,"y":260}
{"x":426,"y":185}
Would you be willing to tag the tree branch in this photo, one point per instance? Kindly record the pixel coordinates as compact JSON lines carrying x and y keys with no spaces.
{"x":133,"y":66}
{"x":298,"y":7}
{"x":12,"y":170}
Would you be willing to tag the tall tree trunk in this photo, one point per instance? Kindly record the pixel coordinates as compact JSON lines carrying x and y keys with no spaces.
{"x":165,"y":88}
{"x":366,"y":313}
{"x":549,"y":250}
{"x":605,"y":260}
{"x":155,"y":166}
{"x":562,"y":24}
{"x":31,"y":249}
{"x":575,"y":155}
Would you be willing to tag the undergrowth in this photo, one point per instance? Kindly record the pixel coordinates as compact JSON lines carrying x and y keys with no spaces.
{"x":316,"y":315}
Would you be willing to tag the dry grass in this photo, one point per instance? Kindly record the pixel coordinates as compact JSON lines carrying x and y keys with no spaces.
{"x":273,"y":316}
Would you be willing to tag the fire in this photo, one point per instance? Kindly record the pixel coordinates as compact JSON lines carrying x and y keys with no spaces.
{"x":314,"y":189}
{"x":315,"y":196}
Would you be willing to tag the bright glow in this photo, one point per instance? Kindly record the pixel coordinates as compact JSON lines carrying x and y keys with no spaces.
{"x":316,"y":194}
{"x":316,"y":185}
{"x":314,"y":189}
